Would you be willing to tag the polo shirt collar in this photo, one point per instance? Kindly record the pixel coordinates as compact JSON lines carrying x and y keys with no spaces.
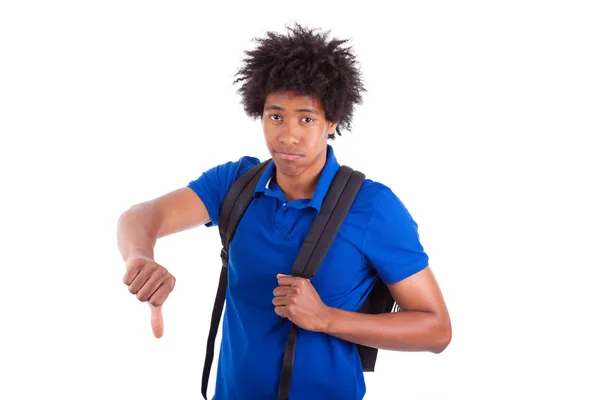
{"x":327,"y":174}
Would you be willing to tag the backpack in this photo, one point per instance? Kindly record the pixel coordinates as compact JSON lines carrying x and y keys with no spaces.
{"x":337,"y":203}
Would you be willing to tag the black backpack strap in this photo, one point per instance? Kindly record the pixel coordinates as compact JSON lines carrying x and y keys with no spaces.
{"x":234,"y":205}
{"x":326,"y":224}
{"x":321,"y":234}
{"x":236,"y":201}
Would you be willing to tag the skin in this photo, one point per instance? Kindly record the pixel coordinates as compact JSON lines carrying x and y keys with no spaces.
{"x":296,"y":133}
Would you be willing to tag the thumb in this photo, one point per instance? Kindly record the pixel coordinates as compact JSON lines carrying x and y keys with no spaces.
{"x":157,"y":321}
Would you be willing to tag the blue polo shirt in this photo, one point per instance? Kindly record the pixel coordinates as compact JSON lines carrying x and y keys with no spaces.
{"x":379,"y":236}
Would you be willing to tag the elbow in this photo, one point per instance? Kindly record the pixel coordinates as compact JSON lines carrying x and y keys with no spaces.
{"x":133,"y":211}
{"x":443,"y":337}
{"x":139,"y":216}
{"x":140,"y":212}
{"x":128,"y":214}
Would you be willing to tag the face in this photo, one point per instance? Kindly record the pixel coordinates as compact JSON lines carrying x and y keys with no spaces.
{"x":296,"y":132}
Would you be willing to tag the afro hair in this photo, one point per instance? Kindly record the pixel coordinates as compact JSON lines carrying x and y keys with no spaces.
{"x":306,"y":62}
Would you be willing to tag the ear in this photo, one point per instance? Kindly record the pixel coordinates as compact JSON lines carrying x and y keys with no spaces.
{"x":331,"y":128}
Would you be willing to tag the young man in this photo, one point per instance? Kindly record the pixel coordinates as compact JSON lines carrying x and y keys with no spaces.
{"x":304,"y":88}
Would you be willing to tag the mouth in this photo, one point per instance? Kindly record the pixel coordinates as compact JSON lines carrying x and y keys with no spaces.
{"x":287,"y":156}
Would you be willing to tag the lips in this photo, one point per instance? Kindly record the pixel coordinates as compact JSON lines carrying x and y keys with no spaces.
{"x":287,"y":156}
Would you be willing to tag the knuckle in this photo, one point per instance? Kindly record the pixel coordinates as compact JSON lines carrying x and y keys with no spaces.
{"x":156,"y":276}
{"x":155,"y":302}
{"x":150,"y":271}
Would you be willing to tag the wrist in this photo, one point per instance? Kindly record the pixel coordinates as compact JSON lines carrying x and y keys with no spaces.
{"x":328,"y":320}
{"x":140,"y":256}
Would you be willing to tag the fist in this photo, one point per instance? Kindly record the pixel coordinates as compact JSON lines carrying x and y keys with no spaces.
{"x":148,"y":280}
{"x":297,"y":300}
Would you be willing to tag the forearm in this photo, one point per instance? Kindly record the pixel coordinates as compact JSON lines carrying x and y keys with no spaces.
{"x":401,"y":331}
{"x":137,"y":232}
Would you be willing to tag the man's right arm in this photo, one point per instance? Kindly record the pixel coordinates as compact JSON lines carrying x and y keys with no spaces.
{"x":138,"y":230}
{"x":143,"y":224}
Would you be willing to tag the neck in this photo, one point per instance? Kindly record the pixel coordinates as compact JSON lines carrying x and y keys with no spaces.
{"x":301,"y":186}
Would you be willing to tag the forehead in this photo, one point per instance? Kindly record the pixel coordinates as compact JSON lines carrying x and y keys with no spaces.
{"x":290,"y":100}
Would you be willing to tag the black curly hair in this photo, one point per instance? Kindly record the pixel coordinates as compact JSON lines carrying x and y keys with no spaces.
{"x":304,"y":61}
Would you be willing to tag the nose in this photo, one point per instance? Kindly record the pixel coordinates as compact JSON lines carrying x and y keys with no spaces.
{"x":290,"y":135}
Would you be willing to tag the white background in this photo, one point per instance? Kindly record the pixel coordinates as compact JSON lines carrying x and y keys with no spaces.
{"x":482,"y":116}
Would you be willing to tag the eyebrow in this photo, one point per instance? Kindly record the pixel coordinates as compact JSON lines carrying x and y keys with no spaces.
{"x":308,"y":110}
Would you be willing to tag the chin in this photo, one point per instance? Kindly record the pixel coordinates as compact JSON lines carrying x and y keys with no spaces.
{"x":288,"y":168}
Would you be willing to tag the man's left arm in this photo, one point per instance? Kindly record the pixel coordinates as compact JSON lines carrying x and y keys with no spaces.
{"x":422,"y":325}
{"x":393,"y":248}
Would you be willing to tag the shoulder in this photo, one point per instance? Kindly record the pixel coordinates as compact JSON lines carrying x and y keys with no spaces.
{"x":374,"y":195}
{"x":229,"y":171}
{"x":223,"y":175}
{"x":371,"y":191}
{"x":213,"y":184}
{"x":382,"y":211}
{"x":391,"y":241}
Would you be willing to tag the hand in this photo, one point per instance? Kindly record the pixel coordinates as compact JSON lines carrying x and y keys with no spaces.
{"x":150,"y":282}
{"x":297,"y":300}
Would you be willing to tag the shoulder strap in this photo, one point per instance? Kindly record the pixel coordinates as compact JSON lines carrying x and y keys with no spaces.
{"x":236,"y":201}
{"x":321,"y":234}
{"x":337,"y":203}
{"x":234,"y":205}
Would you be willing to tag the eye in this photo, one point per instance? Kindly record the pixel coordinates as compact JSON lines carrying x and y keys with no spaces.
{"x":275,"y":117}
{"x":307,"y":118}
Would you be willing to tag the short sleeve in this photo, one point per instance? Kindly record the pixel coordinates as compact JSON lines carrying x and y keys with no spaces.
{"x":391,"y":244}
{"x":213,"y":184}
